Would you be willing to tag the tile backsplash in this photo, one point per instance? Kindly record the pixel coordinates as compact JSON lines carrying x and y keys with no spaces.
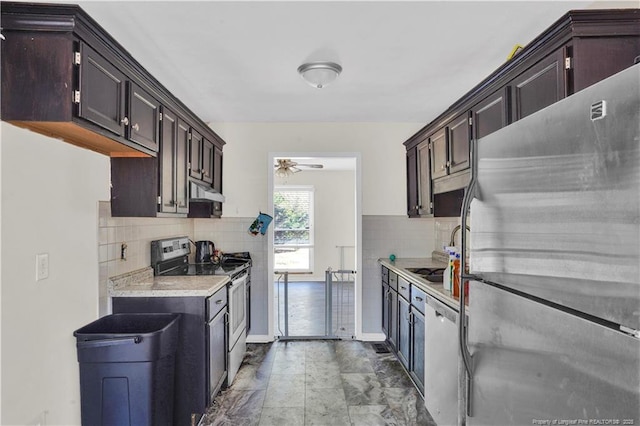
{"x":381,"y":236}
{"x":137,"y":233}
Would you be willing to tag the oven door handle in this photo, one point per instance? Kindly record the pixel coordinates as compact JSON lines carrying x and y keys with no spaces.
{"x":237,"y":279}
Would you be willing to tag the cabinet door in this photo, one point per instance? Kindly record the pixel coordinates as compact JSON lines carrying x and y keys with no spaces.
{"x":439,"y":166}
{"x":425,"y":202}
{"x":167,"y":159}
{"x":217,"y":347}
{"x":182,"y":154}
{"x":459,"y":136}
{"x":217,"y":179}
{"x":195,"y":155}
{"x":417,"y":347}
{"x":102,"y":92}
{"x":144,"y":117}
{"x":412,"y":182}
{"x":386,"y":298}
{"x":393,"y":320}
{"x":538,"y":87}
{"x":491,"y":114}
{"x":207,"y":161}
{"x":404,"y":343}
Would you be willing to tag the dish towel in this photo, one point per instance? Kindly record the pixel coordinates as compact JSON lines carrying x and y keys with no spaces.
{"x":261,"y":224}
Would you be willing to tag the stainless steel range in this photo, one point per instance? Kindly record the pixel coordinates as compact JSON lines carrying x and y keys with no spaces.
{"x":171,"y":257}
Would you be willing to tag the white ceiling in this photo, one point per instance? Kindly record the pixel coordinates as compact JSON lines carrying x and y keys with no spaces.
{"x":236,"y":61}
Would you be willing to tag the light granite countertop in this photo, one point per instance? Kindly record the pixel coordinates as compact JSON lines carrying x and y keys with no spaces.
{"x":142,"y":283}
{"x":436,"y":290}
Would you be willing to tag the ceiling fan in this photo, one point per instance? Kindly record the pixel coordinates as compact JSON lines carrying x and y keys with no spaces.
{"x":286,"y":167}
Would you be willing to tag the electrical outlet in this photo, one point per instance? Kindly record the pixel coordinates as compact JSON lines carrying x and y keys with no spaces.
{"x":42,"y":266}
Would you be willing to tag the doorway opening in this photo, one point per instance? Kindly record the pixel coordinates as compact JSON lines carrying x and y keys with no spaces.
{"x":314,"y":250}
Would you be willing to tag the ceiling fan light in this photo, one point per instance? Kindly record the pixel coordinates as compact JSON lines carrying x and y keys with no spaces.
{"x":283,"y":172}
{"x":319,"y":74}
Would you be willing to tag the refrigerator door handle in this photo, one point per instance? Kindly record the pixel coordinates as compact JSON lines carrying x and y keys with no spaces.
{"x":469,"y":195}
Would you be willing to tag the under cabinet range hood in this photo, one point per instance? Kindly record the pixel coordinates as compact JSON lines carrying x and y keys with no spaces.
{"x":199,"y":192}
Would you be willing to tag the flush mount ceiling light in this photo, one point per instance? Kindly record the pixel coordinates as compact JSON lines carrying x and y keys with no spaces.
{"x":319,"y":74}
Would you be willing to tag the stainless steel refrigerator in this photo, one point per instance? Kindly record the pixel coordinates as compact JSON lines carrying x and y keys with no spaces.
{"x":554,"y":310}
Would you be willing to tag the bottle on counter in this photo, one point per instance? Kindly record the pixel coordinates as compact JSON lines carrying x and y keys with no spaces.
{"x":456,"y":275}
{"x":447,"y":274}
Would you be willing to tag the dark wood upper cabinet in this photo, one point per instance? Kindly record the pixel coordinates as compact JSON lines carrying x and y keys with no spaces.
{"x":182,"y":160}
{"x":143,"y":121}
{"x":102,"y":92}
{"x":207,"y":161}
{"x":412,"y":182}
{"x":578,"y":50}
{"x":491,"y":114}
{"x":64,"y":76}
{"x":459,"y":141}
{"x":167,"y":157}
{"x":419,"y":197}
{"x":217,"y":179}
{"x":173,"y":165}
{"x":538,"y":87}
{"x":439,"y":154}
{"x":196,"y":141}
{"x":425,"y":198}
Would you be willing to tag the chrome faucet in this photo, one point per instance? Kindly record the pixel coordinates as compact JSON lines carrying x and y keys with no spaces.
{"x":453,"y":234}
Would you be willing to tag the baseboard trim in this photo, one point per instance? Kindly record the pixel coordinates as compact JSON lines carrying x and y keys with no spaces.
{"x":373,"y":337}
{"x":259,"y":338}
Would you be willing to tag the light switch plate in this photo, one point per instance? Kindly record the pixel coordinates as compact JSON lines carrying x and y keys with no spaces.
{"x":42,"y":266}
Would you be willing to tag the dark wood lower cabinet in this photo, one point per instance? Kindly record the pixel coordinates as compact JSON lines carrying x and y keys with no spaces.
{"x":404,"y":332}
{"x":417,"y":348}
{"x":403,"y":324}
{"x":191,"y":387}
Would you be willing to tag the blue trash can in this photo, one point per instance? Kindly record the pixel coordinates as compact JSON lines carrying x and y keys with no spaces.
{"x":127,"y":365}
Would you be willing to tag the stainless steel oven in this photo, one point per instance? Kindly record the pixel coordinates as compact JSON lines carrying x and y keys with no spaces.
{"x":171,"y":257}
{"x":237,"y":323}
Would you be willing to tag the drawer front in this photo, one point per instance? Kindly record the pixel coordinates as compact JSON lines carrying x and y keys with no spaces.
{"x":393,"y":280}
{"x":418,"y":298}
{"x":385,"y":275}
{"x":216,"y":302}
{"x":404,"y":288}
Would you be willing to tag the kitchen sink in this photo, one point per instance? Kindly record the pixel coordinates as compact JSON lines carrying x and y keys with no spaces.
{"x":433,"y":275}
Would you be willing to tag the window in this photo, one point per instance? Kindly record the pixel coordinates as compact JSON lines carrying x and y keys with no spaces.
{"x":293,"y":228}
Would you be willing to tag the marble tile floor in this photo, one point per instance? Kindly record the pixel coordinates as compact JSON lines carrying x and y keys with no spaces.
{"x":320,"y":382}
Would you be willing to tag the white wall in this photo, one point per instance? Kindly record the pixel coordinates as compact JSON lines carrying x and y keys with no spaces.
{"x":50,"y":194}
{"x":380,"y":144}
{"x":334,"y":218}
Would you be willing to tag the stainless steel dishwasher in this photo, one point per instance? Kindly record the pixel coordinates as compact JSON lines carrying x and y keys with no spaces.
{"x":441,"y":362}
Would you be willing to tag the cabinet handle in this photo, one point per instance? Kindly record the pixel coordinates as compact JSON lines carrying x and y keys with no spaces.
{"x":219,"y":302}
{"x":197,"y":171}
{"x":125,"y":121}
{"x":182,"y":204}
{"x":205,"y":173}
{"x":135,"y":127}
{"x":419,"y":299}
{"x":403,"y":287}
